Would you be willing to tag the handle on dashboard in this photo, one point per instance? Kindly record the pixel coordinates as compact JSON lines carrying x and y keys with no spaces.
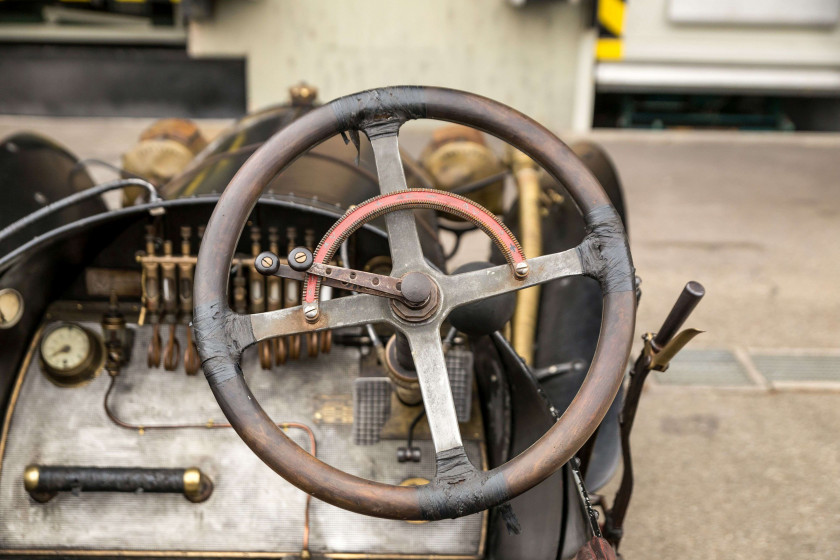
{"x":44,"y":482}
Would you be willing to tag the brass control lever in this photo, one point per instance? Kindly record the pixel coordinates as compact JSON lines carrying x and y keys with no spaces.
{"x":186,"y":271}
{"x":291,"y":298}
{"x":151,"y":300}
{"x":172,"y":352}
{"x":191,"y":359}
{"x":274,"y":298}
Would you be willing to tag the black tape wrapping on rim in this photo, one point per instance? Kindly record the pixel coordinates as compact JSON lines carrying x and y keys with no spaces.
{"x":380,"y":112}
{"x":459,"y":489}
{"x":220,"y":337}
{"x":604,"y":253}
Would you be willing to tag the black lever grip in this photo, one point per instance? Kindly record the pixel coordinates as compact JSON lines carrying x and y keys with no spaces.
{"x":44,"y":482}
{"x":688,"y":300}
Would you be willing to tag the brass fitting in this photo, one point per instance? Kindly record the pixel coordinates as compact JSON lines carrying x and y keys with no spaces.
{"x":197,"y":485}
{"x":30,"y":478}
{"x":303,"y":94}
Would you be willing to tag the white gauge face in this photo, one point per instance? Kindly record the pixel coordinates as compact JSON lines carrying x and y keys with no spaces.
{"x":65,"y":348}
{"x":11,"y":308}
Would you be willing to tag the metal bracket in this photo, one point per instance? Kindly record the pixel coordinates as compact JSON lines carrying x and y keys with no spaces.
{"x":660,"y":358}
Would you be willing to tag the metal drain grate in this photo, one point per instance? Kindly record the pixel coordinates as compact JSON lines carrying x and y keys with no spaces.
{"x":705,"y":367}
{"x":788,"y":367}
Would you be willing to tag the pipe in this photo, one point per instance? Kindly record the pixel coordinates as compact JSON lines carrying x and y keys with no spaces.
{"x":29,"y":219}
{"x":525,"y":317}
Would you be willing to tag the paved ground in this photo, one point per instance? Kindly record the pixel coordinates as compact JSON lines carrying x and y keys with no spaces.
{"x":754,"y":217}
{"x":750,"y":467}
{"x":727,"y":474}
{"x":739,"y":472}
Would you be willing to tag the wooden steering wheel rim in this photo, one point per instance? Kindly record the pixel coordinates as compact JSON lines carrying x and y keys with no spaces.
{"x":221,"y":335}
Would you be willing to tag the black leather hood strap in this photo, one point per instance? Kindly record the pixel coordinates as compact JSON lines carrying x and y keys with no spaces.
{"x":220,"y":336}
{"x":605,"y":254}
{"x":380,"y":112}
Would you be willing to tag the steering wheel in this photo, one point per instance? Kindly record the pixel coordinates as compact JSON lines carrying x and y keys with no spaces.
{"x":458,"y":488}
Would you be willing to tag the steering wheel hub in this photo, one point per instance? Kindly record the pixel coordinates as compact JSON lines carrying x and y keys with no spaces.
{"x":421,"y":295}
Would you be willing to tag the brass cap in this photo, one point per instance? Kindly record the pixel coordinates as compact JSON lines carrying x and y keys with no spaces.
{"x":197,"y":485}
{"x":31,"y":475}
{"x":303,"y":94}
{"x":192,"y":480}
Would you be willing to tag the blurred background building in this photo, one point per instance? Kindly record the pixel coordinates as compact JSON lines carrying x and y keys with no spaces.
{"x":745,"y":64}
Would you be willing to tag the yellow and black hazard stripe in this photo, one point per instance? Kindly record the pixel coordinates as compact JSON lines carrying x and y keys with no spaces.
{"x":609,"y":17}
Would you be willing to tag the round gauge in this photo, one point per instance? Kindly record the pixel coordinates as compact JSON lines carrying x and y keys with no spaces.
{"x":11,"y":308}
{"x":70,"y":354}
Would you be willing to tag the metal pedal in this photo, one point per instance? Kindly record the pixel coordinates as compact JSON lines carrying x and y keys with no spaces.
{"x":371,"y":408}
{"x":459,"y":365}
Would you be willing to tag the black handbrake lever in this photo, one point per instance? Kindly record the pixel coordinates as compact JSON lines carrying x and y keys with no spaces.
{"x":666,"y":343}
{"x":659,"y":349}
{"x":691,"y":295}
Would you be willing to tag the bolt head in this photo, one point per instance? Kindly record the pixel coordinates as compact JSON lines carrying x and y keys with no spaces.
{"x":417,"y":288}
{"x":300,"y":259}
{"x":267,"y":263}
{"x":311,"y":312}
{"x":521,"y":270}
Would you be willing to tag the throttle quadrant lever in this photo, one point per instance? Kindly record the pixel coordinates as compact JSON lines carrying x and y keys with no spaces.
{"x":414,"y":296}
{"x":414,"y":289}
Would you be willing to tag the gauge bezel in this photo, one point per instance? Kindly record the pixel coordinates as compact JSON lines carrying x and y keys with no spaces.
{"x":16,"y":318}
{"x":84,"y":372}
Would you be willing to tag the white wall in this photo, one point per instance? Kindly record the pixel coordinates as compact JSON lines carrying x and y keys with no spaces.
{"x":649,"y":36}
{"x":526,"y":57}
